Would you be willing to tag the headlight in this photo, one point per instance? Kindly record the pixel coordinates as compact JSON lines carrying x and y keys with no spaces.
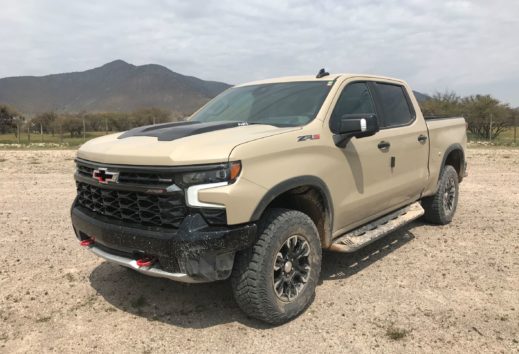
{"x":228,"y":173}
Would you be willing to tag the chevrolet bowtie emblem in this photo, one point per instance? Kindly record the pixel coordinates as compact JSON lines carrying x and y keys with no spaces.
{"x":104,"y":176}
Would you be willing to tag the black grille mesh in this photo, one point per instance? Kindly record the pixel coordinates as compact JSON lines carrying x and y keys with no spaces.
{"x":144,"y":178}
{"x":134,"y":207}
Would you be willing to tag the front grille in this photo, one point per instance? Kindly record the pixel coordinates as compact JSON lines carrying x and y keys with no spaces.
{"x":150,"y":179}
{"x":133,"y":207}
{"x":84,"y":170}
{"x":130,"y":177}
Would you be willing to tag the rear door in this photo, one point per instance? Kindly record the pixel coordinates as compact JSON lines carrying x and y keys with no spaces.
{"x":403,"y":140}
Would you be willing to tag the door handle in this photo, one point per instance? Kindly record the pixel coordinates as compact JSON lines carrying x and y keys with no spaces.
{"x":384,"y":145}
{"x":422,"y":138}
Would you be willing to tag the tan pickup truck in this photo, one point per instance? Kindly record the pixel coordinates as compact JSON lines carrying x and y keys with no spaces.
{"x":257,"y":182}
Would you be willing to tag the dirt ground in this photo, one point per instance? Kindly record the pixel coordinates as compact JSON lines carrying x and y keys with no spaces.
{"x":422,"y":289}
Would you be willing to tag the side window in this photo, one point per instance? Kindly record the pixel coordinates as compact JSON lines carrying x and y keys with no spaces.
{"x":394,"y":104}
{"x":354,"y":99}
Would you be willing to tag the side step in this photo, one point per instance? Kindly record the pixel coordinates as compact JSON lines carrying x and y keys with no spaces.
{"x":364,"y":235}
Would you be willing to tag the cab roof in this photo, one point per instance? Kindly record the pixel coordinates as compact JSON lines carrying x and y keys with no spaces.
{"x":330,"y":77}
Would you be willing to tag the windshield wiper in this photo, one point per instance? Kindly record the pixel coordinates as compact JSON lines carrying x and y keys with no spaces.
{"x":277,"y":125}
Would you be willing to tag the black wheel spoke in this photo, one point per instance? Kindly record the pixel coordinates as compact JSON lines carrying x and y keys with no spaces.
{"x":449,"y":195}
{"x":291,"y":268}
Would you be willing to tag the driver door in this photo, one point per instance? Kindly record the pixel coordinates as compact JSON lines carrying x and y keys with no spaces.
{"x":365,"y":174}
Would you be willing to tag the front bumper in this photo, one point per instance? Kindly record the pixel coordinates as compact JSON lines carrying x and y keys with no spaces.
{"x":153,"y":271}
{"x":195,"y":252}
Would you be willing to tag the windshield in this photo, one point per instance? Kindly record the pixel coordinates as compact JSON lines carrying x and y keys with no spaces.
{"x":279,"y":104}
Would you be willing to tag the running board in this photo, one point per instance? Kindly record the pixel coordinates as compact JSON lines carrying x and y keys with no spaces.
{"x":364,"y":235}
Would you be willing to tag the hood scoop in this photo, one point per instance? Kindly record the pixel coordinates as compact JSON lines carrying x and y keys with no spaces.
{"x":177,"y":130}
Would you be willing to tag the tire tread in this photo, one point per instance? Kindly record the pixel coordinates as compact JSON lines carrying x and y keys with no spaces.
{"x":247,"y":281}
{"x":433,"y":205}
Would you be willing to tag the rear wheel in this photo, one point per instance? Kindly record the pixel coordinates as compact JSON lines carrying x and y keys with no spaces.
{"x":275,"y":280}
{"x":440,"y":208}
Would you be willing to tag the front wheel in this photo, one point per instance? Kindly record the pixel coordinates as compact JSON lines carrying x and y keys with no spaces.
{"x":440,"y":208}
{"x":275,"y":280}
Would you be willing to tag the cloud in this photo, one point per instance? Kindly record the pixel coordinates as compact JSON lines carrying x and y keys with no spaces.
{"x":466,"y":46}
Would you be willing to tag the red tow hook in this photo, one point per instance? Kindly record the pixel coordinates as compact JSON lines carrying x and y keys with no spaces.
{"x":145,"y":262}
{"x":87,"y":242}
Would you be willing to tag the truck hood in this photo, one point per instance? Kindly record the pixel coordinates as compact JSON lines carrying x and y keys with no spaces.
{"x":184,"y":143}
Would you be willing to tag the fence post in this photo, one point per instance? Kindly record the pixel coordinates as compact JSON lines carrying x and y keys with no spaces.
{"x":84,"y":129}
{"x":41,"y":131}
{"x":18,"y":131}
{"x":490,"y":131}
{"x":29,"y":134}
{"x":515,"y":130}
{"x":61,"y":133}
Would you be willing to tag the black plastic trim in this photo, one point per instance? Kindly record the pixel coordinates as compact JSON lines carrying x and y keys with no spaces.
{"x":152,"y":168}
{"x":196,"y":245}
{"x":142,"y":188}
{"x":292,"y":183}
{"x":463,"y":162}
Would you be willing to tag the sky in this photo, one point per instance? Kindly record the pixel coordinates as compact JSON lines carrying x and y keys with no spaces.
{"x":470,"y":47}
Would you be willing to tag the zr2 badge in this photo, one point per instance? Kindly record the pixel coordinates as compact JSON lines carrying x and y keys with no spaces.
{"x":309,"y":137}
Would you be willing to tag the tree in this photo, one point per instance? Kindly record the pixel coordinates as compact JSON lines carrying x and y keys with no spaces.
{"x":442,"y":104}
{"x":45,"y":121}
{"x":149,"y":116}
{"x":69,"y":123}
{"x":486,"y":116}
{"x":9,"y":118}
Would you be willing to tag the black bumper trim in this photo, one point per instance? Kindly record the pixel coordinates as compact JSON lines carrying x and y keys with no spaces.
{"x":202,"y":251}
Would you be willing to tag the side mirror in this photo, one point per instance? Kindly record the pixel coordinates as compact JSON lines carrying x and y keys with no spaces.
{"x":354,"y":125}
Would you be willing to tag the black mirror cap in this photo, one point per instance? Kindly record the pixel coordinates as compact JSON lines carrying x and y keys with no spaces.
{"x":354,"y":125}
{"x":357,"y":125}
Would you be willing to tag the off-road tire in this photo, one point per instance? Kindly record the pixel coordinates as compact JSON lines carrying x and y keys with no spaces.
{"x":253,"y":275}
{"x":436,"y":206}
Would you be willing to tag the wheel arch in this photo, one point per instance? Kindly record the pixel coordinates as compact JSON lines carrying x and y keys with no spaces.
{"x":297,"y":187}
{"x":455,"y":156}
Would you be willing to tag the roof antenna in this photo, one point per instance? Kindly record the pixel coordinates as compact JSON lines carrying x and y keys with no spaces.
{"x":322,"y":73}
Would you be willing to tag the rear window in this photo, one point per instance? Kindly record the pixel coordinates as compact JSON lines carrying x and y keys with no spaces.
{"x":394,"y":104}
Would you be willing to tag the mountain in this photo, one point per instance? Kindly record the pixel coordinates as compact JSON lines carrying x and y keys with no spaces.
{"x":116,"y":86}
{"x":421,"y":97}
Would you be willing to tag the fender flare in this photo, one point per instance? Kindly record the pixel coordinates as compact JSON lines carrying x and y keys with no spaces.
{"x":450,"y":149}
{"x":292,"y":183}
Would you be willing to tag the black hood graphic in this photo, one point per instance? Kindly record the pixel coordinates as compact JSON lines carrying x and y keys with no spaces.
{"x":177,"y":130}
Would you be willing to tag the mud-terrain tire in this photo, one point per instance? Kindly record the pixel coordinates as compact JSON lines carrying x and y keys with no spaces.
{"x":271,"y":280}
{"x":440,"y":208}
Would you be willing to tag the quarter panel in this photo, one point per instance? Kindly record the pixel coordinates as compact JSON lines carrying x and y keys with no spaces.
{"x":442,"y":134}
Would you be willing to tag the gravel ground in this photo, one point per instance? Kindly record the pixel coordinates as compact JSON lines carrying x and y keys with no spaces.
{"x":424,"y":288}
